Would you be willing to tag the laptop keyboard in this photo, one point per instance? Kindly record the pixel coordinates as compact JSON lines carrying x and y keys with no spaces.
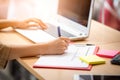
{"x":66,"y":34}
{"x":52,"y":30}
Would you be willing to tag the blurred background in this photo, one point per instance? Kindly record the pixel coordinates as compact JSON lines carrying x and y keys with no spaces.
{"x":105,"y":11}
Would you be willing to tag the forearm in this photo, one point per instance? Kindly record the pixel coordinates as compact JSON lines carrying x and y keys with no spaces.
{"x":57,"y":46}
{"x":26,"y":50}
{"x":7,"y":23}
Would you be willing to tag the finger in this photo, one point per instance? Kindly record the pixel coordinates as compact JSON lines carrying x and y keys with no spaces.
{"x":67,"y":40}
{"x":61,"y":52}
{"x":64,"y":38}
{"x":38,"y":21}
{"x":63,"y":49}
{"x":33,"y":25}
{"x":42,"y":24}
{"x":63,"y":43}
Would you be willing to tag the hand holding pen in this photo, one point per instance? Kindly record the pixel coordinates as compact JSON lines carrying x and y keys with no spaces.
{"x":67,"y":40}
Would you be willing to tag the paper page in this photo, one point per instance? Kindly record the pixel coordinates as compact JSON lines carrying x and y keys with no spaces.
{"x":71,"y":58}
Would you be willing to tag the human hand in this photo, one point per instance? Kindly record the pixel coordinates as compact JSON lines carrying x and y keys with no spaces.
{"x":31,"y":22}
{"x":57,"y":46}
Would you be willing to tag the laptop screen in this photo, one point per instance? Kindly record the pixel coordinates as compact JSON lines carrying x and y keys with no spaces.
{"x":75,"y":10}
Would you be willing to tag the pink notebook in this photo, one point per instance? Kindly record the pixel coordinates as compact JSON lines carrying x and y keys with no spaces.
{"x":107,"y":53}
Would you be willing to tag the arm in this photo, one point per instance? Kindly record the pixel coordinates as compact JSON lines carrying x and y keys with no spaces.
{"x":57,"y":46}
{"x":22,"y":24}
{"x":7,"y":23}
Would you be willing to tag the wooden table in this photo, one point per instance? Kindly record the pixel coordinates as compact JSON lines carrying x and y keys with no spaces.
{"x":100,"y":35}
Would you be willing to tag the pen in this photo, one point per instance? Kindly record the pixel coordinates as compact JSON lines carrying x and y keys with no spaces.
{"x":59,"y":33}
{"x":80,"y":45}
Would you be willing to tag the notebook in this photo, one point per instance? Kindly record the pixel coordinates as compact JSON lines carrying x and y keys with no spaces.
{"x":69,"y":60}
{"x":73,"y":17}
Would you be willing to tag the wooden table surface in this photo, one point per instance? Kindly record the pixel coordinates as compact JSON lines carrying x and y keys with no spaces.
{"x":101,"y":35}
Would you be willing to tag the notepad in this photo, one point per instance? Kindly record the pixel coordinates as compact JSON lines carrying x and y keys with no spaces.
{"x":68,"y":60}
{"x":92,"y":59}
{"x":107,"y":53}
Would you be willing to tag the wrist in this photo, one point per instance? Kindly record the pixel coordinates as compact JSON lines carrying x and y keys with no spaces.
{"x":15,"y":24}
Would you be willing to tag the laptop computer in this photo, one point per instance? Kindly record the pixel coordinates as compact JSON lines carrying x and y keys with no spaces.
{"x":74,"y":19}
